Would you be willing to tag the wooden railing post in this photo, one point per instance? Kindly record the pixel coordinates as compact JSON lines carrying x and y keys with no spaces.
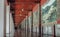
{"x":40,"y":19}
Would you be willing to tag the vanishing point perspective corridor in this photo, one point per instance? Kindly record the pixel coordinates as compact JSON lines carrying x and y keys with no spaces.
{"x":30,"y":18}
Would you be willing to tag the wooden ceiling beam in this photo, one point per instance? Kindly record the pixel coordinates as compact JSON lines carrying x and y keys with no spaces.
{"x":10,"y":1}
{"x":26,"y":2}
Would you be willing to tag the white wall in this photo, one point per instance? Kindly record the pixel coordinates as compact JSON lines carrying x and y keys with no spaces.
{"x":1,"y":18}
{"x":57,"y":29}
{"x":11,"y":26}
{"x":9,"y":22}
{"x":48,"y":29}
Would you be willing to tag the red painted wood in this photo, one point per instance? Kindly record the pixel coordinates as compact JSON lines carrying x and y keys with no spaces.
{"x":43,"y":2}
{"x":26,"y":4}
{"x":58,"y":21}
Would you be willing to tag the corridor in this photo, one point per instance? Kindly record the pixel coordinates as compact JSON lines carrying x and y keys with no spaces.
{"x":31,"y":18}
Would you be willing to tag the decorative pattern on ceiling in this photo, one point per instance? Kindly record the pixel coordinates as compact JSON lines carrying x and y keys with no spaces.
{"x":21,"y":8}
{"x":49,"y":11}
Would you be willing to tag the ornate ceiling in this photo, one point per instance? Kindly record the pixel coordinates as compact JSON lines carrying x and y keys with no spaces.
{"x":21,"y":8}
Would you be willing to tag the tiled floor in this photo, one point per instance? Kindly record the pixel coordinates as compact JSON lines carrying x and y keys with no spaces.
{"x":22,"y":33}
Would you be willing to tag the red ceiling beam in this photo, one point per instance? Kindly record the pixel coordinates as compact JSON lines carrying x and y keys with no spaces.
{"x":28,"y":6}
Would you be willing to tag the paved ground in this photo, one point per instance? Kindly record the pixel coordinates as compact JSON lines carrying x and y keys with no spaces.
{"x":22,"y":33}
